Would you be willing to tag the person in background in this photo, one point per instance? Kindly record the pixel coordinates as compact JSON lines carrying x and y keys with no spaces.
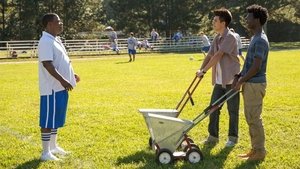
{"x":177,"y":36}
{"x":113,"y":39}
{"x":154,"y":35}
{"x":132,"y":44}
{"x":239,"y":44}
{"x":206,"y":43}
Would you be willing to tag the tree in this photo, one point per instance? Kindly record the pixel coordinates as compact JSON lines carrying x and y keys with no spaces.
{"x":20,"y":19}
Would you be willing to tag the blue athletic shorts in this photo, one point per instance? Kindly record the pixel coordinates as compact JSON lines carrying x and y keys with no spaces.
{"x":53,"y":109}
{"x":131,"y":51}
{"x":205,"y":48}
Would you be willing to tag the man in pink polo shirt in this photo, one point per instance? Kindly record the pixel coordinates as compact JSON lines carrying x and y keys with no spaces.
{"x":222,"y":58}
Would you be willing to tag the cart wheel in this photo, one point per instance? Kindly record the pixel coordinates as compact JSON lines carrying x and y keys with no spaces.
{"x":194,"y":155}
{"x":164,"y":156}
{"x":150,"y":142}
{"x":184,"y":142}
{"x":193,"y":145}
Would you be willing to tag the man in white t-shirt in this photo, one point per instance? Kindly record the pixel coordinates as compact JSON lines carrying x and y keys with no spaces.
{"x":132,"y":44}
{"x":154,"y":36}
{"x":56,"y":78}
{"x":206,"y":43}
{"x":113,"y":38}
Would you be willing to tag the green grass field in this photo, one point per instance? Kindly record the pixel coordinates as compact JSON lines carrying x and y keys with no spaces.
{"x":105,"y":130}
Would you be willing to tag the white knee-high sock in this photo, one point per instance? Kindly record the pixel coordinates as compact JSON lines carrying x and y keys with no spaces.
{"x":46,"y":142}
{"x":53,"y":139}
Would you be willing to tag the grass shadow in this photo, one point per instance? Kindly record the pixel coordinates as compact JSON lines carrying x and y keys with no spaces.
{"x":123,"y":62}
{"x":249,"y":165}
{"x":210,"y":160}
{"x":145,"y":157}
{"x":32,"y":164}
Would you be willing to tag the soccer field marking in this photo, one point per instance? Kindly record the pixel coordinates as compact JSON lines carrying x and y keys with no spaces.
{"x":18,"y":135}
{"x":77,"y":59}
{"x":19,"y":62}
{"x":29,"y":140}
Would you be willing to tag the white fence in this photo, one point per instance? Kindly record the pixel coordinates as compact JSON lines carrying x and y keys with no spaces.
{"x":13,"y":49}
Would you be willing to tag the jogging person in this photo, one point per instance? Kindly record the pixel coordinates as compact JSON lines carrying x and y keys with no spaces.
{"x":56,"y":78}
{"x":113,"y":39}
{"x":253,"y":81}
{"x":222,"y":57}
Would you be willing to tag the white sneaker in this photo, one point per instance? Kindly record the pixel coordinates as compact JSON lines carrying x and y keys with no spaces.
{"x":48,"y":156}
{"x":59,"y":151}
{"x":230,"y":144}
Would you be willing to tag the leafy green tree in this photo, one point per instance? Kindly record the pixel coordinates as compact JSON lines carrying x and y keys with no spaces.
{"x":165,"y":15}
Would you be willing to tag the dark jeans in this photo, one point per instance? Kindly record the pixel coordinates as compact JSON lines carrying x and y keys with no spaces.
{"x":233,"y":109}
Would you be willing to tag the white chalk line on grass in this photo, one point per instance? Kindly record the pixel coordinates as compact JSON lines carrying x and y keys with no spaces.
{"x":29,"y":140}
{"x":77,"y":59}
{"x":18,"y":135}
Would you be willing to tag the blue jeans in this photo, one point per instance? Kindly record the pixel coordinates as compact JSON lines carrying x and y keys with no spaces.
{"x":233,"y":109}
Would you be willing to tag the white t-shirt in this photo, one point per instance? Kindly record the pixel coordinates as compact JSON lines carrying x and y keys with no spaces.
{"x":50,"y":48}
{"x":132,"y":43}
{"x":218,"y":74}
{"x":205,"y":40}
{"x":238,"y":40}
{"x":154,"y":35}
{"x":113,"y":36}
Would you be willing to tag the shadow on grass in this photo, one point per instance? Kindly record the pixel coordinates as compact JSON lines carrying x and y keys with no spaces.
{"x":32,"y":164}
{"x":123,"y":62}
{"x":249,"y":165}
{"x":146,"y":158}
{"x":214,"y":160}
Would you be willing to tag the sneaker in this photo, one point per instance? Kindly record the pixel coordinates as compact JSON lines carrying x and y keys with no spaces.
{"x":48,"y":157}
{"x":230,"y":143}
{"x":211,"y":140}
{"x":59,"y":151}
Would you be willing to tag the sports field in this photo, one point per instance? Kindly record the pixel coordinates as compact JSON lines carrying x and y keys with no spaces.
{"x":105,"y":130}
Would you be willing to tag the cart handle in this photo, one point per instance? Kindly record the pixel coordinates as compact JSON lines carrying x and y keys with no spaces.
{"x":216,"y":105}
{"x":188,"y":95}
